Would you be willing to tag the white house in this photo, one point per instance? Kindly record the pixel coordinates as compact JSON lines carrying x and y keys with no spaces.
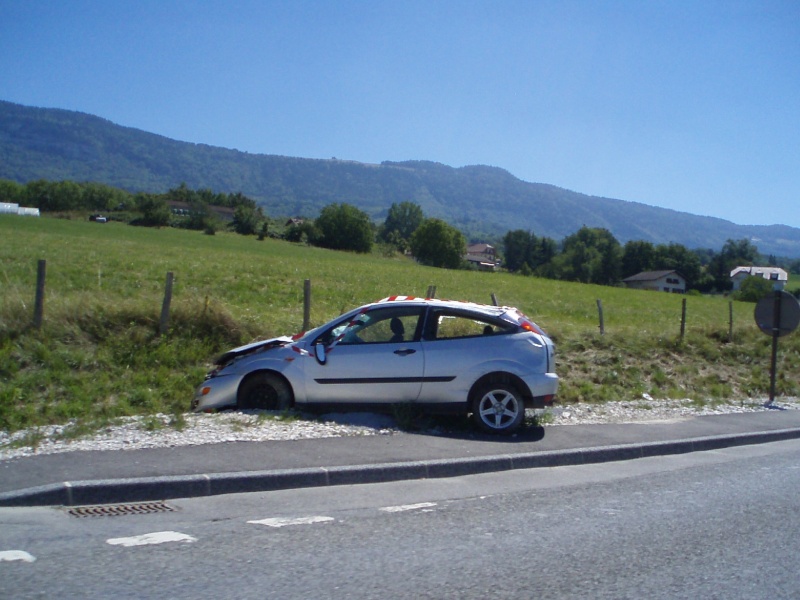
{"x":658,"y":281}
{"x":777,"y":276}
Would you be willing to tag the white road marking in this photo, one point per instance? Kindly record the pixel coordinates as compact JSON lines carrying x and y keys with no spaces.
{"x":277,"y":522}
{"x":405,"y":507}
{"x":158,"y":537}
{"x":12,"y":555}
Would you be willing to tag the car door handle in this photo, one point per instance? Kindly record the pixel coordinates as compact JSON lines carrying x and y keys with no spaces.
{"x":404,"y":352}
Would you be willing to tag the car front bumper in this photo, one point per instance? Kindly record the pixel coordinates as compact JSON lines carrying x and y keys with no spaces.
{"x":216,"y":392}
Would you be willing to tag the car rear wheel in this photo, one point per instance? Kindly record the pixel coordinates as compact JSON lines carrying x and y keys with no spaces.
{"x":498,"y":408}
{"x":264,"y":391}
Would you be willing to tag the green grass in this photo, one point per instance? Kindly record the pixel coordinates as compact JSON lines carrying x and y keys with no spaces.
{"x":98,"y":355}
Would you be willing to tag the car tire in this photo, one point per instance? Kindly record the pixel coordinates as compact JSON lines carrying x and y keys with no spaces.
{"x":264,"y":391}
{"x":498,"y":408}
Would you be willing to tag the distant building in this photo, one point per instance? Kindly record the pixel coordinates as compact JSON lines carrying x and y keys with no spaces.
{"x":183,"y":209}
{"x":777,"y":276}
{"x":483,"y":256}
{"x":657,"y":281}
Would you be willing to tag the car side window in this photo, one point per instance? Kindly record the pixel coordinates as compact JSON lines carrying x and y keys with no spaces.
{"x":379,"y":326}
{"x":445,"y":325}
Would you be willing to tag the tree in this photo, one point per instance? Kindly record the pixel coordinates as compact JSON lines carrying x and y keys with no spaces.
{"x":237,"y":199}
{"x":679,"y":258}
{"x":638,"y":256}
{"x":742,"y":250}
{"x":101,"y":197}
{"x":345,"y":227}
{"x":53,"y":196}
{"x":182,"y":193}
{"x":200,"y":216}
{"x":11,"y":191}
{"x":526,"y":253}
{"x":578,"y":262}
{"x":246,"y":219}
{"x":154,"y":209}
{"x":305,"y":233}
{"x":438,"y":244}
{"x":400,"y":224}
{"x":517,"y":246}
{"x":547,"y":250}
{"x":741,"y":253}
{"x":591,"y":255}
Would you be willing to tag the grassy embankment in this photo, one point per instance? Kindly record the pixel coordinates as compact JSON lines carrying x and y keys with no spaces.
{"x":98,"y":355}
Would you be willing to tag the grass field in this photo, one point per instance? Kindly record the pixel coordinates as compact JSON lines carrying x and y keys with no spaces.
{"x":98,"y":355}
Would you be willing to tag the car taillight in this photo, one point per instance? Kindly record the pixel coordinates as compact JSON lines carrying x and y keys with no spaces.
{"x":528,"y":326}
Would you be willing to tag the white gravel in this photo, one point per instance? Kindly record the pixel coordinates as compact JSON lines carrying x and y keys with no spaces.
{"x":648,"y":410}
{"x":159,"y":431}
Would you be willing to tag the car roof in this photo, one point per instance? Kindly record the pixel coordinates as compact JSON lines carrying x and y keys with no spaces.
{"x":454,"y":304}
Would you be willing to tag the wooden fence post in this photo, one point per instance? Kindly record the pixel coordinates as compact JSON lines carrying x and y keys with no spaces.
{"x":38,"y":307}
{"x":600,"y":312}
{"x":683,"y":319}
{"x":164,"y":322}
{"x":730,"y":321}
{"x":306,"y":304}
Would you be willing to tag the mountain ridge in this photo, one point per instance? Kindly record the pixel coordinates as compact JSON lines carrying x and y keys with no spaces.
{"x":483,"y":201}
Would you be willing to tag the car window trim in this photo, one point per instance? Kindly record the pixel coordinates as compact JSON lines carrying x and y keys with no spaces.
{"x":508,"y":327}
{"x":403,"y":310}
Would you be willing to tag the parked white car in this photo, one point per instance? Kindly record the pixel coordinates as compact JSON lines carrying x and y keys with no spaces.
{"x":445,"y":356}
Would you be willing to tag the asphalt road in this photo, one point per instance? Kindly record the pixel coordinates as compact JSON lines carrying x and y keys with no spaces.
{"x":719,"y":524}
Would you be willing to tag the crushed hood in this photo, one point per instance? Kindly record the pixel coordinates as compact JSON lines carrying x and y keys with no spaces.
{"x":261,"y":346}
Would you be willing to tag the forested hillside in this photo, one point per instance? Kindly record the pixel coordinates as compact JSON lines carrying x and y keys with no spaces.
{"x":484,"y":202}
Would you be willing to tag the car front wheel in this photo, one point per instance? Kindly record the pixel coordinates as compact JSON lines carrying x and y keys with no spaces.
{"x":498,"y":408}
{"x":264,"y":391}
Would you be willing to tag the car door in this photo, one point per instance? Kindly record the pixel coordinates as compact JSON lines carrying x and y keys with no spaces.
{"x":375,"y":358}
{"x":458,"y":344}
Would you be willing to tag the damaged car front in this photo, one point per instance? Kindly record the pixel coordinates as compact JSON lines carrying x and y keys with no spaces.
{"x":221,"y":386}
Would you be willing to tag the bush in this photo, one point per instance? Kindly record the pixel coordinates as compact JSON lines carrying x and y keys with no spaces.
{"x":753,"y":289}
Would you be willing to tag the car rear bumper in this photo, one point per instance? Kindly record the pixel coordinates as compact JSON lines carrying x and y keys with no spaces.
{"x":542,"y":390}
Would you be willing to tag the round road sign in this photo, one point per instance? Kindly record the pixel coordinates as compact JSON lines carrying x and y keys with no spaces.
{"x":778,"y":312}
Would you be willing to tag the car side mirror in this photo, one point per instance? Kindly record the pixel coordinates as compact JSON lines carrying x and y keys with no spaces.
{"x":319,"y":353}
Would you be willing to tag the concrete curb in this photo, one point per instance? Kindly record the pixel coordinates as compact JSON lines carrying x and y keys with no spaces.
{"x":140,"y":489}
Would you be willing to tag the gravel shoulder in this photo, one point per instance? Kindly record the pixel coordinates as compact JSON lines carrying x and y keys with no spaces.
{"x":164,"y":431}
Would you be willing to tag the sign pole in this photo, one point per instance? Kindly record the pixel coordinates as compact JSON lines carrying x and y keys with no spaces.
{"x":776,"y":314}
{"x":776,"y":323}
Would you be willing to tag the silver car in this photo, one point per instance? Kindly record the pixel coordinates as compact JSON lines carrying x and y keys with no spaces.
{"x":445,"y":356}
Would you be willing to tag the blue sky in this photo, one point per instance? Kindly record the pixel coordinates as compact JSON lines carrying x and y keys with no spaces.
{"x":692,"y":105}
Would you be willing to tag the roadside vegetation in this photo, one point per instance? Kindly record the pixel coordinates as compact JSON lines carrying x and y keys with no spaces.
{"x":98,"y":355}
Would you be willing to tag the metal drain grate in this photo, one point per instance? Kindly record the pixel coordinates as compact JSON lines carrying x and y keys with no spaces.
{"x":117,"y":510}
